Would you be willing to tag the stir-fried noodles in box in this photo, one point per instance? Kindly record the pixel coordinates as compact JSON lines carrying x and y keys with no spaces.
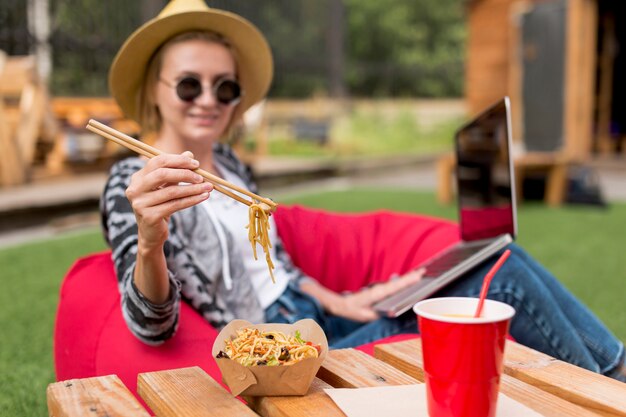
{"x":270,"y":359}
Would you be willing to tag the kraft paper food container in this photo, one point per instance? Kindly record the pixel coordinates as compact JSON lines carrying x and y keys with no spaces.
{"x":271,"y":380}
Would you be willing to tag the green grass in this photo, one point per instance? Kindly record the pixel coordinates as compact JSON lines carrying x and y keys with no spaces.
{"x":583,"y":246}
{"x":372,"y":132}
{"x":31,"y":275}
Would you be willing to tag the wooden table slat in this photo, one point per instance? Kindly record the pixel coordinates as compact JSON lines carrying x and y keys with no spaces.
{"x":98,"y":396}
{"x":588,"y":389}
{"x":343,"y":368}
{"x":316,"y":403}
{"x":407,"y":357}
{"x":350,"y":368}
{"x":188,"y":392}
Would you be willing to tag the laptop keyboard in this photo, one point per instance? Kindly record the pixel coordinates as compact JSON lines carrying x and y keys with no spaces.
{"x":451,"y":258}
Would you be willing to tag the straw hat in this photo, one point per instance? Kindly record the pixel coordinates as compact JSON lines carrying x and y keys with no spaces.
{"x":254,"y":58}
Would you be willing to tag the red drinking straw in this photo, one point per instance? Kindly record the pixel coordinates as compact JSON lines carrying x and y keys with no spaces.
{"x":487,"y":281}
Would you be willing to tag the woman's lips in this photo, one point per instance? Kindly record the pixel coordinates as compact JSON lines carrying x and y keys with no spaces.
{"x":204,"y":119}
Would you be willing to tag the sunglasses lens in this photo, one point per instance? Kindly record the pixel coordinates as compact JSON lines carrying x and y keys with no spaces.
{"x":188,"y":89}
{"x":228,"y":92}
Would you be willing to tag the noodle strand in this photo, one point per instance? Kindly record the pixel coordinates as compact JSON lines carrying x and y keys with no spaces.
{"x":258,"y":232}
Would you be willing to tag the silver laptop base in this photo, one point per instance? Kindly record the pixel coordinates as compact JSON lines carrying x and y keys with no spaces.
{"x":404,"y":300}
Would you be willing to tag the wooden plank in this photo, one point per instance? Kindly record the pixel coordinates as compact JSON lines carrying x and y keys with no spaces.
{"x":588,"y":389}
{"x":350,"y":368}
{"x":18,"y":72}
{"x":516,"y":69}
{"x":588,"y":81}
{"x":407,"y":357}
{"x":99,"y":396}
{"x":314,"y":404}
{"x":27,"y":133}
{"x":488,"y":46}
{"x":446,"y":166}
{"x":189,"y":392}
{"x":12,"y":170}
{"x":554,"y":164}
{"x":580,"y":75}
{"x":343,"y":368}
{"x":103,"y":107}
{"x":28,"y":119}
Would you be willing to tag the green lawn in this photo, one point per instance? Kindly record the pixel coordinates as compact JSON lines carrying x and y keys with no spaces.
{"x":581,"y":245}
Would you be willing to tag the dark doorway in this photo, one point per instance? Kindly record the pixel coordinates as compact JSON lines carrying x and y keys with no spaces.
{"x":543,"y":49}
{"x":610,"y":111}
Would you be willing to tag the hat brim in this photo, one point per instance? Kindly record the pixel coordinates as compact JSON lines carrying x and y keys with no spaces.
{"x":254,"y":57}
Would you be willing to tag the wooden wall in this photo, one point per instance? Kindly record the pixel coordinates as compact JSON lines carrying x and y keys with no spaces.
{"x":493,"y":66}
{"x":488,"y":48}
{"x":580,"y":77}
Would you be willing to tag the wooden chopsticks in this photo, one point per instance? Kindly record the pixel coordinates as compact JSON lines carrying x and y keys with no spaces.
{"x":150,"y":152}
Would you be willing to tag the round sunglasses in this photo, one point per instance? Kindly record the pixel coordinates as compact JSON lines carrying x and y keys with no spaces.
{"x":226,"y":91}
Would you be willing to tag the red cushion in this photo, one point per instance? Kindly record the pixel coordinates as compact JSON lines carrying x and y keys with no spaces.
{"x":350,"y":251}
{"x":91,"y":337}
{"x":369,"y":348}
{"x":343,"y":251}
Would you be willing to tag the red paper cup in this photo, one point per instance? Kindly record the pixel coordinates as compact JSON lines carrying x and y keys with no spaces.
{"x":462,"y":355}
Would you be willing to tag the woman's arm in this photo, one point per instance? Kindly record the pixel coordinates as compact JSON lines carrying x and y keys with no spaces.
{"x":150,"y":294}
{"x":358,"y":306}
{"x":155,"y":194}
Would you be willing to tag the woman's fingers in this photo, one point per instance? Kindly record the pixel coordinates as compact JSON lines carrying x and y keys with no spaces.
{"x":166,"y":176}
{"x":165,"y":185}
{"x":171,"y":193}
{"x":367,"y":314}
{"x":164,"y":170}
{"x":380,"y":291}
{"x":156,"y":213}
{"x":169,"y":160}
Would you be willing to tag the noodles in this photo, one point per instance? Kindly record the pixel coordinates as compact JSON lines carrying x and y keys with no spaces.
{"x":253,"y":347}
{"x":258,"y":232}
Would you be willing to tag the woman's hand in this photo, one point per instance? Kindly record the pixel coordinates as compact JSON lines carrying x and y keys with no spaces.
{"x":155,"y":194}
{"x":358,"y":306}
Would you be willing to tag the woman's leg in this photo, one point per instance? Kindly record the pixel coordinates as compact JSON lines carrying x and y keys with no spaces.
{"x":606,"y":349}
{"x":548,"y":318}
{"x":365,"y":333}
{"x":294,"y":305}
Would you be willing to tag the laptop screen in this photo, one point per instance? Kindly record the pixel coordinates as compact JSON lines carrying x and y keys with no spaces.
{"x":485,"y":183}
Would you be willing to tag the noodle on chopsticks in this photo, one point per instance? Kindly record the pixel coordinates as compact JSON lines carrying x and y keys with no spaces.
{"x":259,"y":207}
{"x":253,"y":347}
{"x":258,"y":232}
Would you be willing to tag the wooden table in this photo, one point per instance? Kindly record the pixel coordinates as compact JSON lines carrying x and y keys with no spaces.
{"x":547,"y":385}
{"x":553,"y":164}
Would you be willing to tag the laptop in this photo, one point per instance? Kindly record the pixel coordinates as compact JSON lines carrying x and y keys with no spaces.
{"x":486,"y":203}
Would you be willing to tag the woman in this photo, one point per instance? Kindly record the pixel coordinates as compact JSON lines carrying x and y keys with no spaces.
{"x":187,"y":77}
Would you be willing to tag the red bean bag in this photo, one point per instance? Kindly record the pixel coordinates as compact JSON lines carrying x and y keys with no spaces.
{"x":342,"y":251}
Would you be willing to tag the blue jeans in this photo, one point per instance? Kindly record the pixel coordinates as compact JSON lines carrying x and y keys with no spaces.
{"x":548,"y":318}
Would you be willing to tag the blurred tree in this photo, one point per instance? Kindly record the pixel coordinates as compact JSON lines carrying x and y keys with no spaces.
{"x":397,"y":48}
{"x":85,"y":37}
{"x":296,"y":31}
{"x":14,"y":36}
{"x":405,"y":47}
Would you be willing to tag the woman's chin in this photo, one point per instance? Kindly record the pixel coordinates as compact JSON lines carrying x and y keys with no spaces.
{"x":203,"y":133}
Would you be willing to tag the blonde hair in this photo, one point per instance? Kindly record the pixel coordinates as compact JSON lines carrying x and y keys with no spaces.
{"x":149,"y":115}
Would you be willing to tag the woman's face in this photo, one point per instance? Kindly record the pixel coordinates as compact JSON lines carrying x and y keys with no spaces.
{"x":204,"y":119}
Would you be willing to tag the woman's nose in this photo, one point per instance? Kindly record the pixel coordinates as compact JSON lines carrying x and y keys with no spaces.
{"x":206,"y":98}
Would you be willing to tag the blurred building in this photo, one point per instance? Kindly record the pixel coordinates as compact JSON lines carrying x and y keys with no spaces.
{"x":561,"y":62}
